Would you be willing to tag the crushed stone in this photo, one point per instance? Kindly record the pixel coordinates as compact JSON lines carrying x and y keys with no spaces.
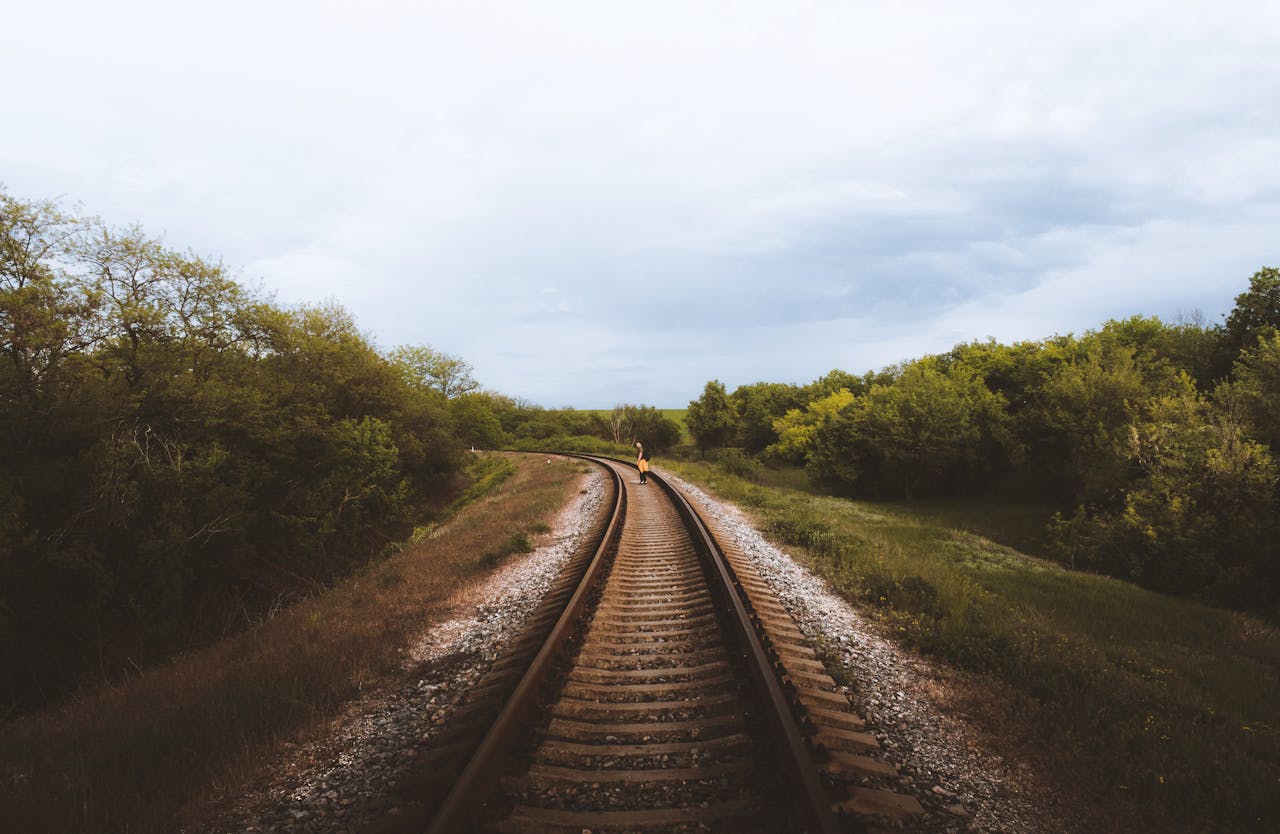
{"x":944,"y":760}
{"x":323,"y":785}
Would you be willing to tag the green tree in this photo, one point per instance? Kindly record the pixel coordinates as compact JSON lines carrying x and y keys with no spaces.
{"x":1192,"y":345}
{"x":1201,"y":516}
{"x":837,"y":380}
{"x":44,"y":311}
{"x":428,"y":367}
{"x":1255,"y":316}
{"x":1257,"y":388}
{"x":475,"y":420}
{"x":649,"y":425}
{"x":1079,"y":426}
{"x":797,"y":428}
{"x":712,"y":418}
{"x":176,"y":452}
{"x":930,"y":430}
{"x":758,"y":406}
{"x":1257,"y":311}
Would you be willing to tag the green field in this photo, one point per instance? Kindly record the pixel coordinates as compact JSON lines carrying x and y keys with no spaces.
{"x":677,"y":415}
{"x":1159,"y":713}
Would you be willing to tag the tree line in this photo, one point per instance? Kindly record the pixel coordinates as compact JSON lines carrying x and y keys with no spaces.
{"x":180,"y":455}
{"x":1158,"y":440}
{"x":497,"y":421}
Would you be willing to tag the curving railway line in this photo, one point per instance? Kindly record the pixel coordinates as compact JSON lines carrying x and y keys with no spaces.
{"x":660,"y":687}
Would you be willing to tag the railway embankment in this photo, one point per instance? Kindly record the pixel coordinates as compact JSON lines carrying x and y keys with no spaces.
{"x":253,"y":716}
{"x":1142,"y":711}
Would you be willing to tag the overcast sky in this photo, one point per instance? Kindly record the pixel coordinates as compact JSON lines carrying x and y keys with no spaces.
{"x":598,"y":202}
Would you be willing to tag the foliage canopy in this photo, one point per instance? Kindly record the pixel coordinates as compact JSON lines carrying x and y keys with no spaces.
{"x":1157,"y":440}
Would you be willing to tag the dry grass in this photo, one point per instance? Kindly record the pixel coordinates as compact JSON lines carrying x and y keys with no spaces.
{"x":139,"y":756}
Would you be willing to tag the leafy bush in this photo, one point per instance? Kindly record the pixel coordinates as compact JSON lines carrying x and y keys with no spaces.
{"x":712,"y":418}
{"x":738,"y":463}
{"x":1156,"y":443}
{"x":1201,"y":519}
{"x":177,"y":453}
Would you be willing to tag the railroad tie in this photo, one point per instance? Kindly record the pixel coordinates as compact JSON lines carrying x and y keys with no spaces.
{"x":861,"y":785}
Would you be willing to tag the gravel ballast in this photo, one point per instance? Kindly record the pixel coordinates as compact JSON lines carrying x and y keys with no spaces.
{"x":325,"y":785}
{"x":946,"y":762}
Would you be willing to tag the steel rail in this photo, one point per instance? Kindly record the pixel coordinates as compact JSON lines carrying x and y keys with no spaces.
{"x":455,"y":813}
{"x":796,"y":759}
{"x":459,"y":809}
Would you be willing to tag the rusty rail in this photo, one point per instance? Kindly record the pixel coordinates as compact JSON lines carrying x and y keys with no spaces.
{"x":460,"y":808}
{"x":815,"y":806}
{"x":455,"y":812}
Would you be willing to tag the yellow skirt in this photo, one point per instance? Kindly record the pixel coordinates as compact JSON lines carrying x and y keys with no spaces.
{"x":643,"y":464}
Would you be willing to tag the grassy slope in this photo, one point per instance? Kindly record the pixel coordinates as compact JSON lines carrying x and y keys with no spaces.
{"x":677,"y":416}
{"x":131,"y":757}
{"x":1164,"y":712}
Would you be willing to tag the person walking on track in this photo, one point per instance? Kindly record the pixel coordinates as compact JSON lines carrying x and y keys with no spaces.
{"x":642,"y":462}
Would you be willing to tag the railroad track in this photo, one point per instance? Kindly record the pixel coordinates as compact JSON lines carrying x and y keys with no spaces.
{"x":659,"y":687}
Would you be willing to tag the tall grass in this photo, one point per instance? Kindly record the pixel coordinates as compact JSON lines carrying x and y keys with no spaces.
{"x":147,"y":755}
{"x":1159,"y":709}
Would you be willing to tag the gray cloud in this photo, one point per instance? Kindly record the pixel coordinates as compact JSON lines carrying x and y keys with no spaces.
{"x":595,"y":204}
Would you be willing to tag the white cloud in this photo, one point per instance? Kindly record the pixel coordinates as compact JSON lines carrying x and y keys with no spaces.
{"x":777,"y":188}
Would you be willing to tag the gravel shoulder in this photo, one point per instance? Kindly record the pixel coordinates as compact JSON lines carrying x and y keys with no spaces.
{"x":919,"y":711}
{"x":324,"y":785}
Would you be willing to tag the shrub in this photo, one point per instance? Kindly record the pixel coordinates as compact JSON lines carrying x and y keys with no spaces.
{"x":739,"y":464}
